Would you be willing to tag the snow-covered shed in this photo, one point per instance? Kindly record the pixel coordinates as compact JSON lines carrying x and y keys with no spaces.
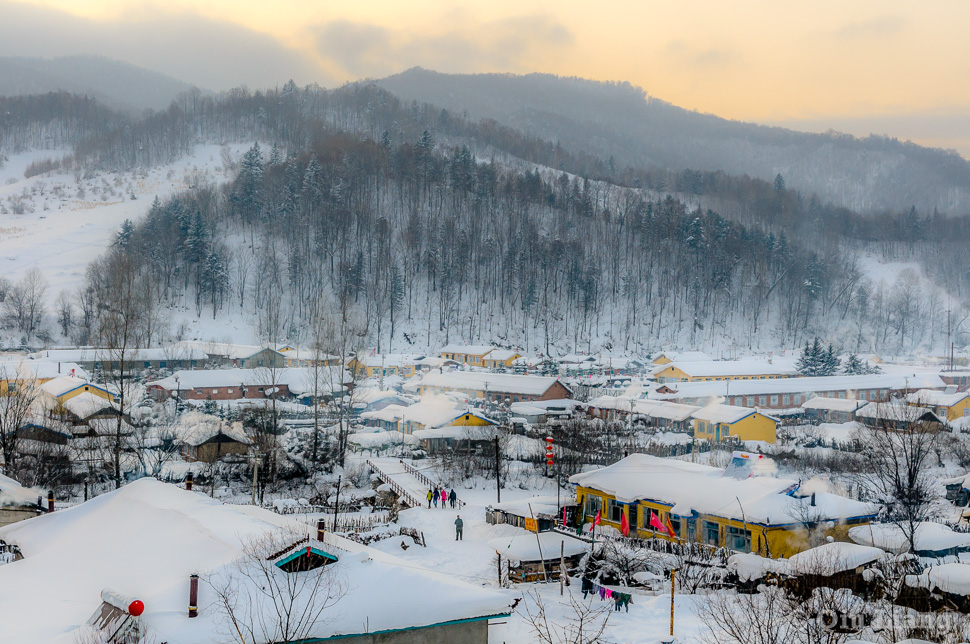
{"x":538,"y":556}
{"x":932,"y":539}
{"x":18,"y":502}
{"x":894,"y":416}
{"x":147,"y":539}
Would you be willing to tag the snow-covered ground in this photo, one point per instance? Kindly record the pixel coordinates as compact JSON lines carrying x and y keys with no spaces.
{"x":59,"y":224}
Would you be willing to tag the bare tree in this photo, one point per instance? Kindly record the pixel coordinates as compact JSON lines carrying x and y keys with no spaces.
{"x":896,"y":470}
{"x":16,"y":410}
{"x":24,"y":304}
{"x":263,"y":603}
{"x":585,"y":622}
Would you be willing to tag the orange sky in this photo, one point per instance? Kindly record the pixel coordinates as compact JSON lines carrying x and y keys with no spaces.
{"x":759,"y":61}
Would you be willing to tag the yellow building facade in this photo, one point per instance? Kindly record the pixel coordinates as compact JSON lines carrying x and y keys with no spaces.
{"x":752,"y":427}
{"x":673,"y":373}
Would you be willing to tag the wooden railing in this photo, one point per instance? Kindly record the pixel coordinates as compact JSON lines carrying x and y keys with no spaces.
{"x":424,"y":478}
{"x":405,"y":496}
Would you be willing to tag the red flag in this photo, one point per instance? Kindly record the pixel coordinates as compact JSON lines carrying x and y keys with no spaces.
{"x":596,"y":520}
{"x":670,"y":527}
{"x":624,"y":525}
{"x":656,"y":524}
{"x":564,"y":516}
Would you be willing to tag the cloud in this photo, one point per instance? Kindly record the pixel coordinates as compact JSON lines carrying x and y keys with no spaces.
{"x":210,"y":54}
{"x":689,"y":56}
{"x":878,"y":27}
{"x":511,"y":44}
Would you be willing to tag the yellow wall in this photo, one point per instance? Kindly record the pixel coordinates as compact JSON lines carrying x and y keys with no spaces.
{"x":662,"y":360}
{"x":958,"y":410}
{"x":489,"y":362}
{"x":86,"y":389}
{"x":755,"y":427}
{"x":773,"y":541}
{"x":682,"y":376}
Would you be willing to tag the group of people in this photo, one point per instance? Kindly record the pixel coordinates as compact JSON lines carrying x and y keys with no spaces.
{"x":444,"y":496}
{"x":620,"y":600}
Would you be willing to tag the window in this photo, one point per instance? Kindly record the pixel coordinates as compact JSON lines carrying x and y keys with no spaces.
{"x":675,"y":524}
{"x":711,"y":534}
{"x":762,"y":400}
{"x":147,"y":364}
{"x":691,"y":530}
{"x":12,"y":386}
{"x":786,"y":399}
{"x":738,"y":539}
{"x":163,"y":364}
{"x":615,"y":511}
{"x":229,"y":390}
{"x":841,"y":394}
{"x":198,"y":392}
{"x":774,"y":400}
{"x":593,"y":504}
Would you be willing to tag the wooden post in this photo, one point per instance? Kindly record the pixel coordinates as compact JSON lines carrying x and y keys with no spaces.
{"x":194,"y":596}
{"x":188,"y":481}
{"x":672,"y":574}
{"x":50,"y":501}
{"x":500,"y":571}
{"x":542,"y":562}
{"x":498,"y":480}
{"x":562,"y":567}
{"x":336,"y":505}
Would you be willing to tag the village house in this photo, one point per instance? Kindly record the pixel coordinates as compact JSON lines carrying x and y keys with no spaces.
{"x":948,"y":406}
{"x":239,"y":384}
{"x":235,"y":355}
{"x":680,"y":501}
{"x":539,"y":557}
{"x":473,"y":355}
{"x":666,"y":357}
{"x":432,"y":412}
{"x":788,"y":393}
{"x":55,"y":393}
{"x":896,"y":416}
{"x":746,"y":369}
{"x":34,"y":372}
{"x":719,"y":422}
{"x":73,"y":555}
{"x":496,"y":387}
{"x":500,"y":358}
{"x":832,"y":410}
{"x":385,"y":364}
{"x":17,"y":502}
{"x":656,"y":413}
{"x":536,"y":514}
{"x":207,"y":439}
{"x":100,"y":359}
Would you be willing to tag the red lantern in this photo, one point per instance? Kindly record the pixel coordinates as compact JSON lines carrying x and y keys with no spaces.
{"x":549,"y":461}
{"x":136,"y":608}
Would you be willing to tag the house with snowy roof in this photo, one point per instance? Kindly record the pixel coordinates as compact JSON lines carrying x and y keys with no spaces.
{"x":948,"y":406}
{"x":500,"y":358}
{"x":496,"y":387}
{"x":896,"y":416}
{"x":177,"y":356}
{"x":246,"y":356}
{"x":385,"y":364}
{"x":470,"y":354}
{"x":36,"y":372}
{"x":689,"y":502}
{"x":666,"y":357}
{"x":208,"y":439}
{"x":18,"y":502}
{"x":165,"y":578}
{"x":744,"y":369}
{"x":54,"y":394}
{"x":719,"y":422}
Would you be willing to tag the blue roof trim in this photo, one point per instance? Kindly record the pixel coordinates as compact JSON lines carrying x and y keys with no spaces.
{"x":316,"y":640}
{"x":302,"y":551}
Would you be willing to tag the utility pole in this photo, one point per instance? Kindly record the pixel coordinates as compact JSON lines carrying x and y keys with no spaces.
{"x":672,"y":574}
{"x":498,"y":480}
{"x":336,"y":505}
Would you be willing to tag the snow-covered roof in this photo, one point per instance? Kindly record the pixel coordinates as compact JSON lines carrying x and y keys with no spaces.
{"x":929,"y":536}
{"x":749,"y":566}
{"x":65,"y":384}
{"x":833,"y":404}
{"x":692,"y":487}
{"x":195,"y":428}
{"x":467,"y":349}
{"x":94,"y":354}
{"x":457,"y":432}
{"x":85,"y":404}
{"x":39,"y":370}
{"x":683,"y":356}
{"x":13,"y":493}
{"x":953,"y":578}
{"x":526,"y":547}
{"x":298,"y":380}
{"x":937,"y":398}
{"x":221,"y":349}
{"x":432,"y":411}
{"x":180,"y":533}
{"x":480,"y":381}
{"x":773,"y":386}
{"x":723,"y":413}
{"x":743,"y":367}
{"x":390,"y":359}
{"x":895,"y":412}
{"x":652,"y":408}
{"x":501,"y":354}
{"x":835,"y":557}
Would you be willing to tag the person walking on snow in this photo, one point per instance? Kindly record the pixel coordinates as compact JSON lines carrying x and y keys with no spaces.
{"x":458,"y":526}
{"x":435,"y":498}
{"x":444,"y":498}
{"x":430,"y":495}
{"x":453,"y":498}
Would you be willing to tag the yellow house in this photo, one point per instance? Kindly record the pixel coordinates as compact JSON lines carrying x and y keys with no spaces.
{"x":704,"y":371}
{"x":389,"y":364}
{"x":500,"y":358}
{"x":62,"y":389}
{"x":718,"y":422}
{"x":948,"y":407}
{"x":35,"y":372}
{"x":688,"y":502}
{"x":667,"y":357}
{"x":473,"y":355}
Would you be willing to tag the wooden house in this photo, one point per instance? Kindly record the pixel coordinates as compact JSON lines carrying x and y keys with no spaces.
{"x":895,"y":416}
{"x":495,"y":387}
{"x":947,"y":406}
{"x":473,"y":355}
{"x":539,"y":557}
{"x":17,"y":502}
{"x":213,"y":440}
{"x":500,"y":358}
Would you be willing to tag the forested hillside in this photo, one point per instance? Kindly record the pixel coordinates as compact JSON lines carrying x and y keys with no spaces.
{"x":619,"y":120}
{"x":415,"y":227}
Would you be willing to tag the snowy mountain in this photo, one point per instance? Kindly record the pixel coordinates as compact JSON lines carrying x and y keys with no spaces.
{"x":115,"y":84}
{"x":621,"y":121}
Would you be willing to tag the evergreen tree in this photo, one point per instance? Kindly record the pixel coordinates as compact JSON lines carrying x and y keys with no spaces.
{"x":830,"y":362}
{"x":811,"y":362}
{"x":854,"y":366}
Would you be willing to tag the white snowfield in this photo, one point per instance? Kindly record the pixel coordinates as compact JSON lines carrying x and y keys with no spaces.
{"x":147,"y":538}
{"x":61,"y":230}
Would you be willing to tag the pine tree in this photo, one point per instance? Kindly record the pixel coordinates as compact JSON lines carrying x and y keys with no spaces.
{"x":830,"y":362}
{"x":855,"y":367}
{"x":811,"y":362}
